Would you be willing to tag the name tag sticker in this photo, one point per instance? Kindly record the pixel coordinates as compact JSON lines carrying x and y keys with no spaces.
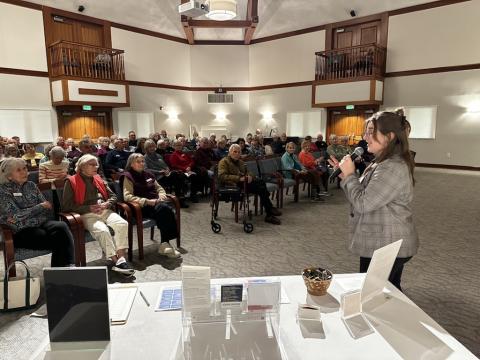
{"x":17,"y":194}
{"x":149,"y":180}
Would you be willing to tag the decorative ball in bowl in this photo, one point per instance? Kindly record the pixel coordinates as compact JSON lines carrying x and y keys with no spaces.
{"x":317,"y":280}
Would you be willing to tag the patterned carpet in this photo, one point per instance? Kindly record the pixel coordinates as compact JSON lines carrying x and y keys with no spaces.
{"x":442,"y":279}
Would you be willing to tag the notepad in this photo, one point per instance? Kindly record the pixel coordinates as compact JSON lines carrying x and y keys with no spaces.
{"x":120,"y":300}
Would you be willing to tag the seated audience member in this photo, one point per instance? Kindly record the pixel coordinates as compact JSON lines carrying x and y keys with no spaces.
{"x":213,"y":139}
{"x":233,"y":172}
{"x":69,"y":143}
{"x":54,"y":169}
{"x":155,"y":136}
{"x":31,"y":157}
{"x":283,"y":141}
{"x":221,"y":150}
{"x":244,"y":152}
{"x":344,"y":142}
{"x":2,"y":152}
{"x":112,"y":140}
{"x":25,"y":211}
{"x":73,"y":152}
{"x":46,"y":157}
{"x":183,"y":162}
{"x":103,"y":146}
{"x":60,"y":141}
{"x":132,"y":139}
{"x":256,"y":149}
{"x":277,"y":145}
{"x":163,"y":134}
{"x":20,"y":146}
{"x":321,"y":145}
{"x":362,"y":162}
{"x":116,"y":159}
{"x":140,"y":149}
{"x":141,"y":187}
{"x":315,"y":167}
{"x":335,"y":149}
{"x":161,"y":147}
{"x":11,"y":150}
{"x":313,"y":147}
{"x":88,"y":195}
{"x":291,"y":166}
{"x":248,"y":140}
{"x":86,"y":147}
{"x":204,"y":159}
{"x":168,"y":179}
{"x":168,"y":146}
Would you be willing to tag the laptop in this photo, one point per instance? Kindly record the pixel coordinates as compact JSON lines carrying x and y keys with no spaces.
{"x":77,"y":307}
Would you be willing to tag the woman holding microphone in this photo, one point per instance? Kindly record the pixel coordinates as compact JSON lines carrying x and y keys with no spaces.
{"x":381,"y":198}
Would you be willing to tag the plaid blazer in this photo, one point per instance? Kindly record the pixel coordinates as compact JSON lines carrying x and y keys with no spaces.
{"x":380,"y":208}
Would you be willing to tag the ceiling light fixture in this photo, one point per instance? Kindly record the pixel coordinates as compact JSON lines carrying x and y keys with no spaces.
{"x":222,"y":10}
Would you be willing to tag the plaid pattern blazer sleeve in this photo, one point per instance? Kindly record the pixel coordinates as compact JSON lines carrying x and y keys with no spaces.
{"x":381,"y":209}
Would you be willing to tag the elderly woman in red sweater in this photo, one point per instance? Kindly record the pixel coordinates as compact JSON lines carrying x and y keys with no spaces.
{"x":314,"y":167}
{"x":182,"y":161}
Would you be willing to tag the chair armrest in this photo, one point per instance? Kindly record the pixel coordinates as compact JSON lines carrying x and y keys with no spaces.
{"x":136,"y":210}
{"x":8,"y":248}
{"x":124,"y":211}
{"x":173,"y":199}
{"x":176,"y":202}
{"x":75,"y":223}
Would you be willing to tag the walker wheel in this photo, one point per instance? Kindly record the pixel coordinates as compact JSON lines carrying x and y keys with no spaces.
{"x":216,"y":228}
{"x":248,"y":228}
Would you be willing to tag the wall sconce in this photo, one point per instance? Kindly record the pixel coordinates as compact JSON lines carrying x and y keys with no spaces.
{"x":473,"y":107}
{"x":172,"y":115}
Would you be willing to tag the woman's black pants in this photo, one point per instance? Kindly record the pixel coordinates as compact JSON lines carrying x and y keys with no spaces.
{"x":165,"y":219}
{"x":51,"y":235}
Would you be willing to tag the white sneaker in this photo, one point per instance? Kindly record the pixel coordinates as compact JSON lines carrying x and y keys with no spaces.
{"x":166,"y":249}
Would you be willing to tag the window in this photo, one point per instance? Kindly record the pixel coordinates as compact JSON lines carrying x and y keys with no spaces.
{"x":423,"y":120}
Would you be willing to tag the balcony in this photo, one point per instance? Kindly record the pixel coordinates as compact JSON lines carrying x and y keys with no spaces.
{"x":349,"y":76}
{"x":77,"y":60}
{"x":350,"y":63}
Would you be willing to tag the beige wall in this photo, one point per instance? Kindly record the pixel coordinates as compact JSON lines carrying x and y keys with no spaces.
{"x":286,"y":60}
{"x":22,"y":41}
{"x":443,"y":36}
{"x":19,"y":92}
{"x":215,"y":65}
{"x":152,"y":59}
{"x":457,"y":128}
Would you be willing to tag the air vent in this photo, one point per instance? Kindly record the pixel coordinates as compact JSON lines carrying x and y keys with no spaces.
{"x":220,"y":98}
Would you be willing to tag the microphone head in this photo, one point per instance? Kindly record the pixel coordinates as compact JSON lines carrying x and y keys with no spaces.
{"x":359,"y":151}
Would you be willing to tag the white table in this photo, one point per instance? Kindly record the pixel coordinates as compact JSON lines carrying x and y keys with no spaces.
{"x":402,"y":329}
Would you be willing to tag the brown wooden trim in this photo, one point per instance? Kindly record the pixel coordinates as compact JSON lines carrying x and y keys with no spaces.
{"x":97,"y":92}
{"x":289,"y":34}
{"x":338,"y":81}
{"x":372,"y":90}
{"x":21,"y":3}
{"x":107,"y":34}
{"x":188,"y":29}
{"x":149,"y":32}
{"x":202,"y":88}
{"x":23,"y":72}
{"x":426,"y":6}
{"x":93,"y":103}
{"x":344,"y":103}
{"x":75,"y":16}
{"x":91,"y":80}
{"x":433,"y":70}
{"x":65,"y":95}
{"x":444,"y":166}
{"x":219,"y":42}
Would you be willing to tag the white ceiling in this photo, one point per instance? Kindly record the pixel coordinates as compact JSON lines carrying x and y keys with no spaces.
{"x":275,"y":16}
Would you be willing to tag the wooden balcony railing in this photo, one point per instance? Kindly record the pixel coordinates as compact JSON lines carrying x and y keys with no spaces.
{"x":73,"y":59}
{"x":350,"y":63}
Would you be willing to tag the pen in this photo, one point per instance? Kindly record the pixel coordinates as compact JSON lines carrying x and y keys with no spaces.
{"x":144,"y":298}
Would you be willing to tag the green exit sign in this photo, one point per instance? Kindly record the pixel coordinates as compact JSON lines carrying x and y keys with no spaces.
{"x":350,"y":107}
{"x":87,"y":107}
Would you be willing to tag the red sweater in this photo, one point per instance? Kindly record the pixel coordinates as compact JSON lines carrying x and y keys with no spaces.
{"x":307,"y":160}
{"x":180,"y":161}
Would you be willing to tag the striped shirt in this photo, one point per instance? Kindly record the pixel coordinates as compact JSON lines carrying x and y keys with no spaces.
{"x":49,"y":172}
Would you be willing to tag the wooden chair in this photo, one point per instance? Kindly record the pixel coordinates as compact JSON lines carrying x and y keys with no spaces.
{"x":11,"y":254}
{"x":273,"y":183}
{"x":144,"y":223}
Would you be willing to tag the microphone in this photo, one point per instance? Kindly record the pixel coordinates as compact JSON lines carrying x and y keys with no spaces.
{"x":356,"y":153}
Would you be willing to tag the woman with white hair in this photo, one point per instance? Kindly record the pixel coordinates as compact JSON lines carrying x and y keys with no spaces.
{"x":141,"y":187}
{"x":54,"y":169}
{"x":87,"y":194}
{"x":25,"y":211}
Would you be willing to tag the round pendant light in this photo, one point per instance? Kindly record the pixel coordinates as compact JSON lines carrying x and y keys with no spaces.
{"x":222,"y":10}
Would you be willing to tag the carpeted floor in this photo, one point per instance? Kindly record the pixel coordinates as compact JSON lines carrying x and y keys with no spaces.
{"x":442,"y":279}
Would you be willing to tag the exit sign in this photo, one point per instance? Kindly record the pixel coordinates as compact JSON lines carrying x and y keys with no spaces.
{"x":350,"y":107}
{"x":87,"y":107}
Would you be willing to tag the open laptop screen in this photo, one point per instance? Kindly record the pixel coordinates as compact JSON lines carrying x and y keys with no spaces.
{"x":77,"y":304}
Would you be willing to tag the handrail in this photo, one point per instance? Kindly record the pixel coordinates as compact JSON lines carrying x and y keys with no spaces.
{"x":351,"y":62}
{"x":87,"y":61}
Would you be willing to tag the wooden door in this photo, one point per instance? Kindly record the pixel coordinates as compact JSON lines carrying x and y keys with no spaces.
{"x":91,"y":34}
{"x":76,"y":124}
{"x":361,"y":34}
{"x":347,"y":123}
